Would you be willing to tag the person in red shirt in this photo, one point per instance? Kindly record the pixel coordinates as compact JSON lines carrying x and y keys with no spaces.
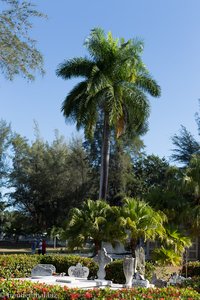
{"x":44,"y":246}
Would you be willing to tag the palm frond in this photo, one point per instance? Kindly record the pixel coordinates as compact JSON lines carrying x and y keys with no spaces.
{"x":79,"y":109}
{"x":147,"y":84}
{"x":75,"y":67}
{"x":100,"y":47}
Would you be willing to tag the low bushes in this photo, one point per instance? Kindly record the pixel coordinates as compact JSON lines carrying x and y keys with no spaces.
{"x":26,"y":290}
{"x":114,"y":271}
{"x":192,"y":283}
{"x":17,"y":265}
{"x":20,"y":265}
{"x":63,"y":262}
{"x":193,"y":269}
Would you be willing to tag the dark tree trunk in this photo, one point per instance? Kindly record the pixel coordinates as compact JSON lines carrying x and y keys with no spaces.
{"x":97,"y":247}
{"x":133,"y":245}
{"x":105,"y":156}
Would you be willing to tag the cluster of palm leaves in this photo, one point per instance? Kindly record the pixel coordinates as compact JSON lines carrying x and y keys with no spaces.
{"x":97,"y":222}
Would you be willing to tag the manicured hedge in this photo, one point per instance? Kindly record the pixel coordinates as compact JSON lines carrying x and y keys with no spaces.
{"x":20,"y":265}
{"x":63,"y":262}
{"x":26,"y":290}
{"x":17,"y":265}
{"x":193,"y":269}
{"x":114,"y":271}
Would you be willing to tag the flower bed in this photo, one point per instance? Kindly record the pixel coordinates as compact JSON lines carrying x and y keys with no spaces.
{"x":15,"y":289}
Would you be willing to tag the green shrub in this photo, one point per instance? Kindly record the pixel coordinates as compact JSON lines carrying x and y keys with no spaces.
{"x":114,"y":271}
{"x":63,"y":262}
{"x":17,"y":265}
{"x":193,"y":283}
{"x":149,"y":270}
{"x":20,"y":265}
{"x":193,"y":269}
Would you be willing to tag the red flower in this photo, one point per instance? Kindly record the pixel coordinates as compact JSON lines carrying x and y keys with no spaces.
{"x":88,"y":295}
{"x":74,"y":296}
{"x":45,"y":290}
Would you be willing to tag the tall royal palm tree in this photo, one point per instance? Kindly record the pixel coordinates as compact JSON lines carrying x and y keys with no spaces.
{"x":115,"y":82}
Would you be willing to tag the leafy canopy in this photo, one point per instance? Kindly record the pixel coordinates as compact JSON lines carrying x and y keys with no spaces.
{"x":114,"y":81}
{"x":18,"y":52}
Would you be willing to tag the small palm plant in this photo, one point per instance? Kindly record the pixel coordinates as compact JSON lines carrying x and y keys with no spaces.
{"x":142,"y":221}
{"x":96,"y":221}
{"x":173,"y":247}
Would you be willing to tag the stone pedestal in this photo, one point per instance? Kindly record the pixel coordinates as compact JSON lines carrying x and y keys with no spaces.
{"x":129,"y":270}
{"x":140,"y":283}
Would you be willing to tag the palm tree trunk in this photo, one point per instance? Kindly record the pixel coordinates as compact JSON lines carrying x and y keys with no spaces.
{"x":133,"y":245}
{"x":97,"y":247}
{"x":105,"y":156}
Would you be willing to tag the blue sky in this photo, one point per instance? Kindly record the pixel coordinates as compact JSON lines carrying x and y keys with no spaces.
{"x":171,"y":33}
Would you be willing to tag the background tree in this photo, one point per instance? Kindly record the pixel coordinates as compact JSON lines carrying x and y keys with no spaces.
{"x":5,"y":141}
{"x":18,"y":52}
{"x":43,"y":182}
{"x":185,"y":146}
{"x":115,"y":82}
{"x":149,"y":173}
{"x":16,"y":223}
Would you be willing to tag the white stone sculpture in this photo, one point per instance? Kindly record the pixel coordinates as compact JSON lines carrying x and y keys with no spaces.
{"x":129,"y":268}
{"x":102,"y":258}
{"x":140,"y":258}
{"x":78,"y":271}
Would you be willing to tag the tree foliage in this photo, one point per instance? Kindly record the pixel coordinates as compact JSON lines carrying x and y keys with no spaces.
{"x":185,"y":146}
{"x":95,"y":221}
{"x":115,"y":83}
{"x":5,"y":140}
{"x":47,"y":179}
{"x":142,"y":221}
{"x":18,"y":52}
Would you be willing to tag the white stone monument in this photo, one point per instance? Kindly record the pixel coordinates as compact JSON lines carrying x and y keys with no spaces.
{"x":78,"y":271}
{"x":43,"y":270}
{"x":102,"y":258}
{"x":139,"y":279}
{"x":129,"y":268}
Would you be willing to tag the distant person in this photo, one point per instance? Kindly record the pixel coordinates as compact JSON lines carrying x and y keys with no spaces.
{"x":44,"y":246}
{"x":33,"y":246}
{"x":40,"y":247}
